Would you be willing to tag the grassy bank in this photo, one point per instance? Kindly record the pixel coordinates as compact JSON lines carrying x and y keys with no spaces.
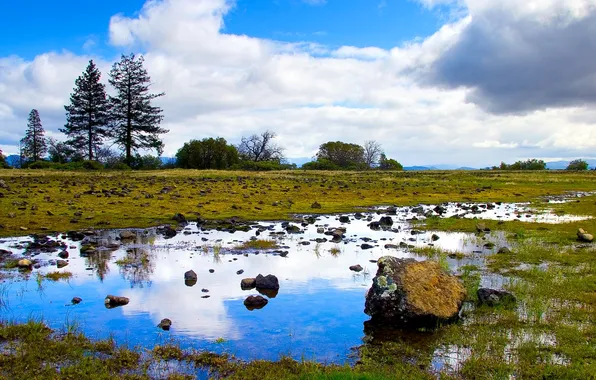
{"x":34,"y":201}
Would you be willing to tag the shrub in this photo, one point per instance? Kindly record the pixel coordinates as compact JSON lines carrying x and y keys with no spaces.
{"x":91,"y":165}
{"x":577,"y":165}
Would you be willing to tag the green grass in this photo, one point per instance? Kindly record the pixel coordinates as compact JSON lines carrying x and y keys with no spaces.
{"x":259,"y":244}
{"x":142,"y":199}
{"x":57,"y":276}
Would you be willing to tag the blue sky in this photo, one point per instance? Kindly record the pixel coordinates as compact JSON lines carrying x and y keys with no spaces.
{"x":30,"y":27}
{"x":459,"y":82}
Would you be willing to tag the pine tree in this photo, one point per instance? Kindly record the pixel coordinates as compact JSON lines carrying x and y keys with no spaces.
{"x":87,"y":115}
{"x":135,"y":121}
{"x":34,"y":142}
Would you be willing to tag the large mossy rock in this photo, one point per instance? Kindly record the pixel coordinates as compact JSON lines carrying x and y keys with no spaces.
{"x":409,"y":292}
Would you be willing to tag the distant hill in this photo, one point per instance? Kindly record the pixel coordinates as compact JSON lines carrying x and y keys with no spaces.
{"x":561,"y":165}
{"x":419,"y":168}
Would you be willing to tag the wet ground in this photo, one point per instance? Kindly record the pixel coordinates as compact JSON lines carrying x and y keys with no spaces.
{"x":317,"y":313}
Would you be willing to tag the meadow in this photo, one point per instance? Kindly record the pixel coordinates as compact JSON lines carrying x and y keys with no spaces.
{"x":549,"y":333}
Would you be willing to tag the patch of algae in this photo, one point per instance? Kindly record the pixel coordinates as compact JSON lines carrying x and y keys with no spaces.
{"x":430,"y":290}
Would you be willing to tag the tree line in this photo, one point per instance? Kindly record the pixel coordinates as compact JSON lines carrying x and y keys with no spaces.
{"x":127,"y":119}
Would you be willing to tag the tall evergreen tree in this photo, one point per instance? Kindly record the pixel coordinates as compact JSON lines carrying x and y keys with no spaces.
{"x":34,"y":143}
{"x":135,"y":121}
{"x":87,"y":115}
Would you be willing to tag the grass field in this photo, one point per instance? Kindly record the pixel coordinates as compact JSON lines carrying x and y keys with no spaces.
{"x":34,"y":201}
{"x":550,"y":334}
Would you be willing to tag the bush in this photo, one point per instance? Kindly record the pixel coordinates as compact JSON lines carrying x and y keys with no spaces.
{"x":263,"y":166}
{"x":39,"y":165}
{"x":120,"y":166}
{"x":322,"y":164}
{"x":532,"y":164}
{"x":91,"y":165}
{"x":577,"y":165}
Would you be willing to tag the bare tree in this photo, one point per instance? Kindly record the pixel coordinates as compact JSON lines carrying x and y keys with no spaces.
{"x":260,"y":148}
{"x":372,"y":153}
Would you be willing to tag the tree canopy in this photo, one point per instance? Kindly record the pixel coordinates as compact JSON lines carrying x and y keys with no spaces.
{"x":135,"y":121}
{"x":258,"y":148}
{"x":343,"y":155}
{"x":208,"y":153}
{"x":577,"y":165}
{"x":34,"y":146}
{"x":87,"y":115}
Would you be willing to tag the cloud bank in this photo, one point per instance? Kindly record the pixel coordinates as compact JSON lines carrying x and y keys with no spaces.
{"x":504,"y":81}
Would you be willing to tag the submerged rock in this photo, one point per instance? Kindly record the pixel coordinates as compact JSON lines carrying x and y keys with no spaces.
{"x":584,"y":236}
{"x":493,"y":297}
{"x":25,"y":264}
{"x":255,"y":302}
{"x":165,"y":324}
{"x":356,"y":268}
{"x":76,"y":300}
{"x":115,"y":301}
{"x":127,"y":235}
{"x":267,"y":282}
{"x":190,"y":278}
{"x":61,"y":263}
{"x":408,"y":292}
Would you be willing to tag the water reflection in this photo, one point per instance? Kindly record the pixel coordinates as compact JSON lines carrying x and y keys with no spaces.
{"x":317,"y":312}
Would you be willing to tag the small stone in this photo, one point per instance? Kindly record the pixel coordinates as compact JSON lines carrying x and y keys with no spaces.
{"x":584,"y":236}
{"x":76,"y":300}
{"x":190,"y":278}
{"x":61,"y":263}
{"x":366,"y":246}
{"x":248,"y":283}
{"x":211,"y":270}
{"x":504,"y":250}
{"x":434,"y":237}
{"x":115,"y":301}
{"x":356,"y":268}
{"x":127,"y":235}
{"x":315,"y":205}
{"x":25,"y":264}
{"x":240,"y":271}
{"x":165,"y":324}
{"x":492,"y":297}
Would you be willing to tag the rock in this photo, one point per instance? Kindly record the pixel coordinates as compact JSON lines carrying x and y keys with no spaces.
{"x":434,"y":237}
{"x":115,"y":301}
{"x":356,"y":268}
{"x":316,"y":205}
{"x":489,"y":245}
{"x":190,"y":278}
{"x":481,"y":227}
{"x":255,"y":302}
{"x":211,"y":270}
{"x":248,"y":283}
{"x":366,"y":246}
{"x":440,"y":210}
{"x":293,"y":229}
{"x":4,"y":252}
{"x":271,"y":293}
{"x":338,"y":235}
{"x":240,"y":271}
{"x":492,"y":297}
{"x":179,"y":218}
{"x":504,"y":250}
{"x":25,"y":264}
{"x":584,"y":236}
{"x":344,"y":219}
{"x":165,"y":324}
{"x":267,"y":282}
{"x":128,"y":235}
{"x":391,"y":246}
{"x":76,"y":300}
{"x":63,"y":254}
{"x":61,"y":263}
{"x":386,"y":221}
{"x":408,"y":292}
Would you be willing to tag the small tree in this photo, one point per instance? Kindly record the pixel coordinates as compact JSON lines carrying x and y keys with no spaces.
{"x":261,"y":147}
{"x":208,"y":153}
{"x":577,"y":165}
{"x":344,"y":155}
{"x":3,"y":164}
{"x":34,"y":143}
{"x":135,"y":121}
{"x":389,"y":163}
{"x":61,"y":152}
{"x":372,"y":153}
{"x":87,"y":114}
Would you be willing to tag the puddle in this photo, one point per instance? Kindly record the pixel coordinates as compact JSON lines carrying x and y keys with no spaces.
{"x":317,"y":314}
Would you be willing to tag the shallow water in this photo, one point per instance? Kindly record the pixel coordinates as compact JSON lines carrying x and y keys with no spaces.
{"x":317,"y":314}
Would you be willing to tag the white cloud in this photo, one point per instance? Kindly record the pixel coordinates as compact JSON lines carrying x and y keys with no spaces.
{"x":219,"y":84}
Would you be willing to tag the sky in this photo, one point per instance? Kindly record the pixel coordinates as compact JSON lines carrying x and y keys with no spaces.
{"x":458,"y":82}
